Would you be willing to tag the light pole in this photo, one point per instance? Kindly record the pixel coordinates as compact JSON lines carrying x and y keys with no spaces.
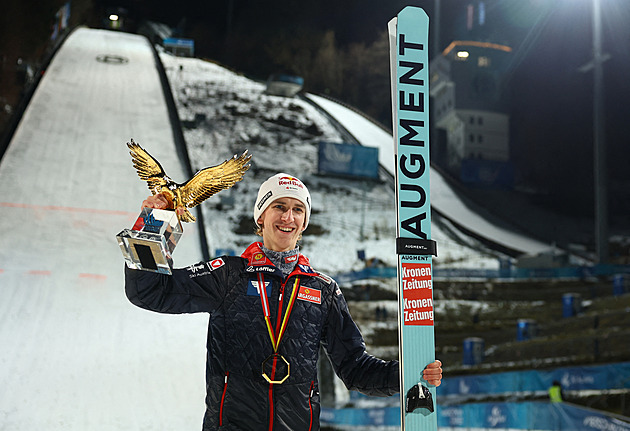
{"x":599,"y":138}
{"x":436,"y":29}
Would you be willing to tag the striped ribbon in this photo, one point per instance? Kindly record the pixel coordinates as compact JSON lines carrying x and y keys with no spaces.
{"x":281,"y":324}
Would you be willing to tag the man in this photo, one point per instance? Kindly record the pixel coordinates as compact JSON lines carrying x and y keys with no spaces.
{"x":555,"y":392}
{"x":269,"y":314}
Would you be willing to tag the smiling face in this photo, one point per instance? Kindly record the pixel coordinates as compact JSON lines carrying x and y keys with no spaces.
{"x":282,"y":224}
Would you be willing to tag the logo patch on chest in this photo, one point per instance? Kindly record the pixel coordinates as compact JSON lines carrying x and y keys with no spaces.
{"x":216,"y":263}
{"x":253,"y":290}
{"x":309,"y":294}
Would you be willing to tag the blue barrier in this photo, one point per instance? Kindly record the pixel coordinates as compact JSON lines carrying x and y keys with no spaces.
{"x":381,"y":417}
{"x":540,"y":416}
{"x":596,"y":377}
{"x":366,"y":273}
{"x":502,"y":273}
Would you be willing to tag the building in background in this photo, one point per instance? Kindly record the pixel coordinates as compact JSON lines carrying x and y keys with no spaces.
{"x":470,"y":105}
{"x":470,"y":112}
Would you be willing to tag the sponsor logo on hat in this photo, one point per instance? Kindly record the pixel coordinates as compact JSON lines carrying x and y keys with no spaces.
{"x":264,"y":199}
{"x":289,"y":182}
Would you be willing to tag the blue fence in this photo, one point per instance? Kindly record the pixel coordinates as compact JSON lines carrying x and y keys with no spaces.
{"x":526,"y":415}
{"x":539,"y":416}
{"x":366,"y":273}
{"x":503,"y":273}
{"x":595,"y":377}
{"x":380,"y":417}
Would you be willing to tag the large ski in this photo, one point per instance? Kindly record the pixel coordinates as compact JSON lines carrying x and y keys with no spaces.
{"x":409,"y":66}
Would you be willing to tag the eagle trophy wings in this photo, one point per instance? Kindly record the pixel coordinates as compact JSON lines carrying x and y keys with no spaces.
{"x":200,"y":187}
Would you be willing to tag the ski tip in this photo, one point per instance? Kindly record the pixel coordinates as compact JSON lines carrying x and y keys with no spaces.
{"x":413,"y":10}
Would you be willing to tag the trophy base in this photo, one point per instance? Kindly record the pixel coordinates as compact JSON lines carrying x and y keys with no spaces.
{"x":149,"y":249}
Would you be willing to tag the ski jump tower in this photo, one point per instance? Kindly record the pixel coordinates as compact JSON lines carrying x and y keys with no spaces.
{"x":470,"y":112}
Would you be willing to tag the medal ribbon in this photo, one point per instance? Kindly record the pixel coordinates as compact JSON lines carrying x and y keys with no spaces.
{"x":281,"y":326}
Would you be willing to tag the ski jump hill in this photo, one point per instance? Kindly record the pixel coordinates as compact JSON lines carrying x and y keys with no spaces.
{"x":76,"y":355}
{"x":444,"y":198}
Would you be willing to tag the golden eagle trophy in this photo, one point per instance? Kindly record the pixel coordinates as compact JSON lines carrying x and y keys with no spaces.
{"x":149,"y":244}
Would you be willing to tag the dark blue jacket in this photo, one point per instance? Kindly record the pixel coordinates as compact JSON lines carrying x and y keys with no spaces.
{"x":238,"y":397}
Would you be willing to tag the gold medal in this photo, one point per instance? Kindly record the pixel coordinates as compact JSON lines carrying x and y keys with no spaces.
{"x":276,"y":369}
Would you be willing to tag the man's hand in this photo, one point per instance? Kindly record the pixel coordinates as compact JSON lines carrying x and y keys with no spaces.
{"x":433,"y":373}
{"x":160,"y":202}
{"x":156,"y":201}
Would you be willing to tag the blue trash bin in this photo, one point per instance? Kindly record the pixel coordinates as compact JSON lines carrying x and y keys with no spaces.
{"x":619,"y":284}
{"x":473,"y":351}
{"x":526,"y":329}
{"x":571,"y":304}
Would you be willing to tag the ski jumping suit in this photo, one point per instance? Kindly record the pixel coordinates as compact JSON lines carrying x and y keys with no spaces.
{"x":304,"y":311}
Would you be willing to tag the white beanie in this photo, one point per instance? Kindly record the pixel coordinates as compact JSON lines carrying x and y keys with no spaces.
{"x":282,"y":186}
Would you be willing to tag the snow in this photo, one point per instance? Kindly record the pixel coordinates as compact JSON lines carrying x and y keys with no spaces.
{"x":233,"y":114}
{"x":76,"y":354}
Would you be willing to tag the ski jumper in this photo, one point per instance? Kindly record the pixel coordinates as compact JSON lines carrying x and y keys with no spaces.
{"x":264,"y":336}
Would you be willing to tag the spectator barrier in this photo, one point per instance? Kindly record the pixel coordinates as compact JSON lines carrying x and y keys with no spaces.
{"x":498,"y":415}
{"x":595,"y":377}
{"x":533,"y":415}
{"x":582,"y":272}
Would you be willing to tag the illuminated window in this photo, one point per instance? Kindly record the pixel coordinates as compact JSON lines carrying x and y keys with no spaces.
{"x":483,"y":61}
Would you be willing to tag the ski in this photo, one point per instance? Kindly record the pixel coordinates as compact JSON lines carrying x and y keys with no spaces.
{"x":408,"y":36}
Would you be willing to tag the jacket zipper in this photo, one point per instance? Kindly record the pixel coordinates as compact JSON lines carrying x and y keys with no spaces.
{"x":277,"y":331}
{"x":227,"y":374}
{"x":310,"y":405}
{"x":271,"y":411}
{"x":278,"y":319}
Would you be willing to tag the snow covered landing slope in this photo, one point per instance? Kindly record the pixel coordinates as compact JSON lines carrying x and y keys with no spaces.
{"x":76,"y":355}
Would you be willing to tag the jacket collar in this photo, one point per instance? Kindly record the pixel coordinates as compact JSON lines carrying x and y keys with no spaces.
{"x":258,"y":262}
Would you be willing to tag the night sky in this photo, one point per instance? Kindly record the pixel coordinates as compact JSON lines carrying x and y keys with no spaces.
{"x":551,"y":100}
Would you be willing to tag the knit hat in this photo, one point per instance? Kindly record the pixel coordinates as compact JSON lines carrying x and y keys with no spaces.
{"x":282,"y":186}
